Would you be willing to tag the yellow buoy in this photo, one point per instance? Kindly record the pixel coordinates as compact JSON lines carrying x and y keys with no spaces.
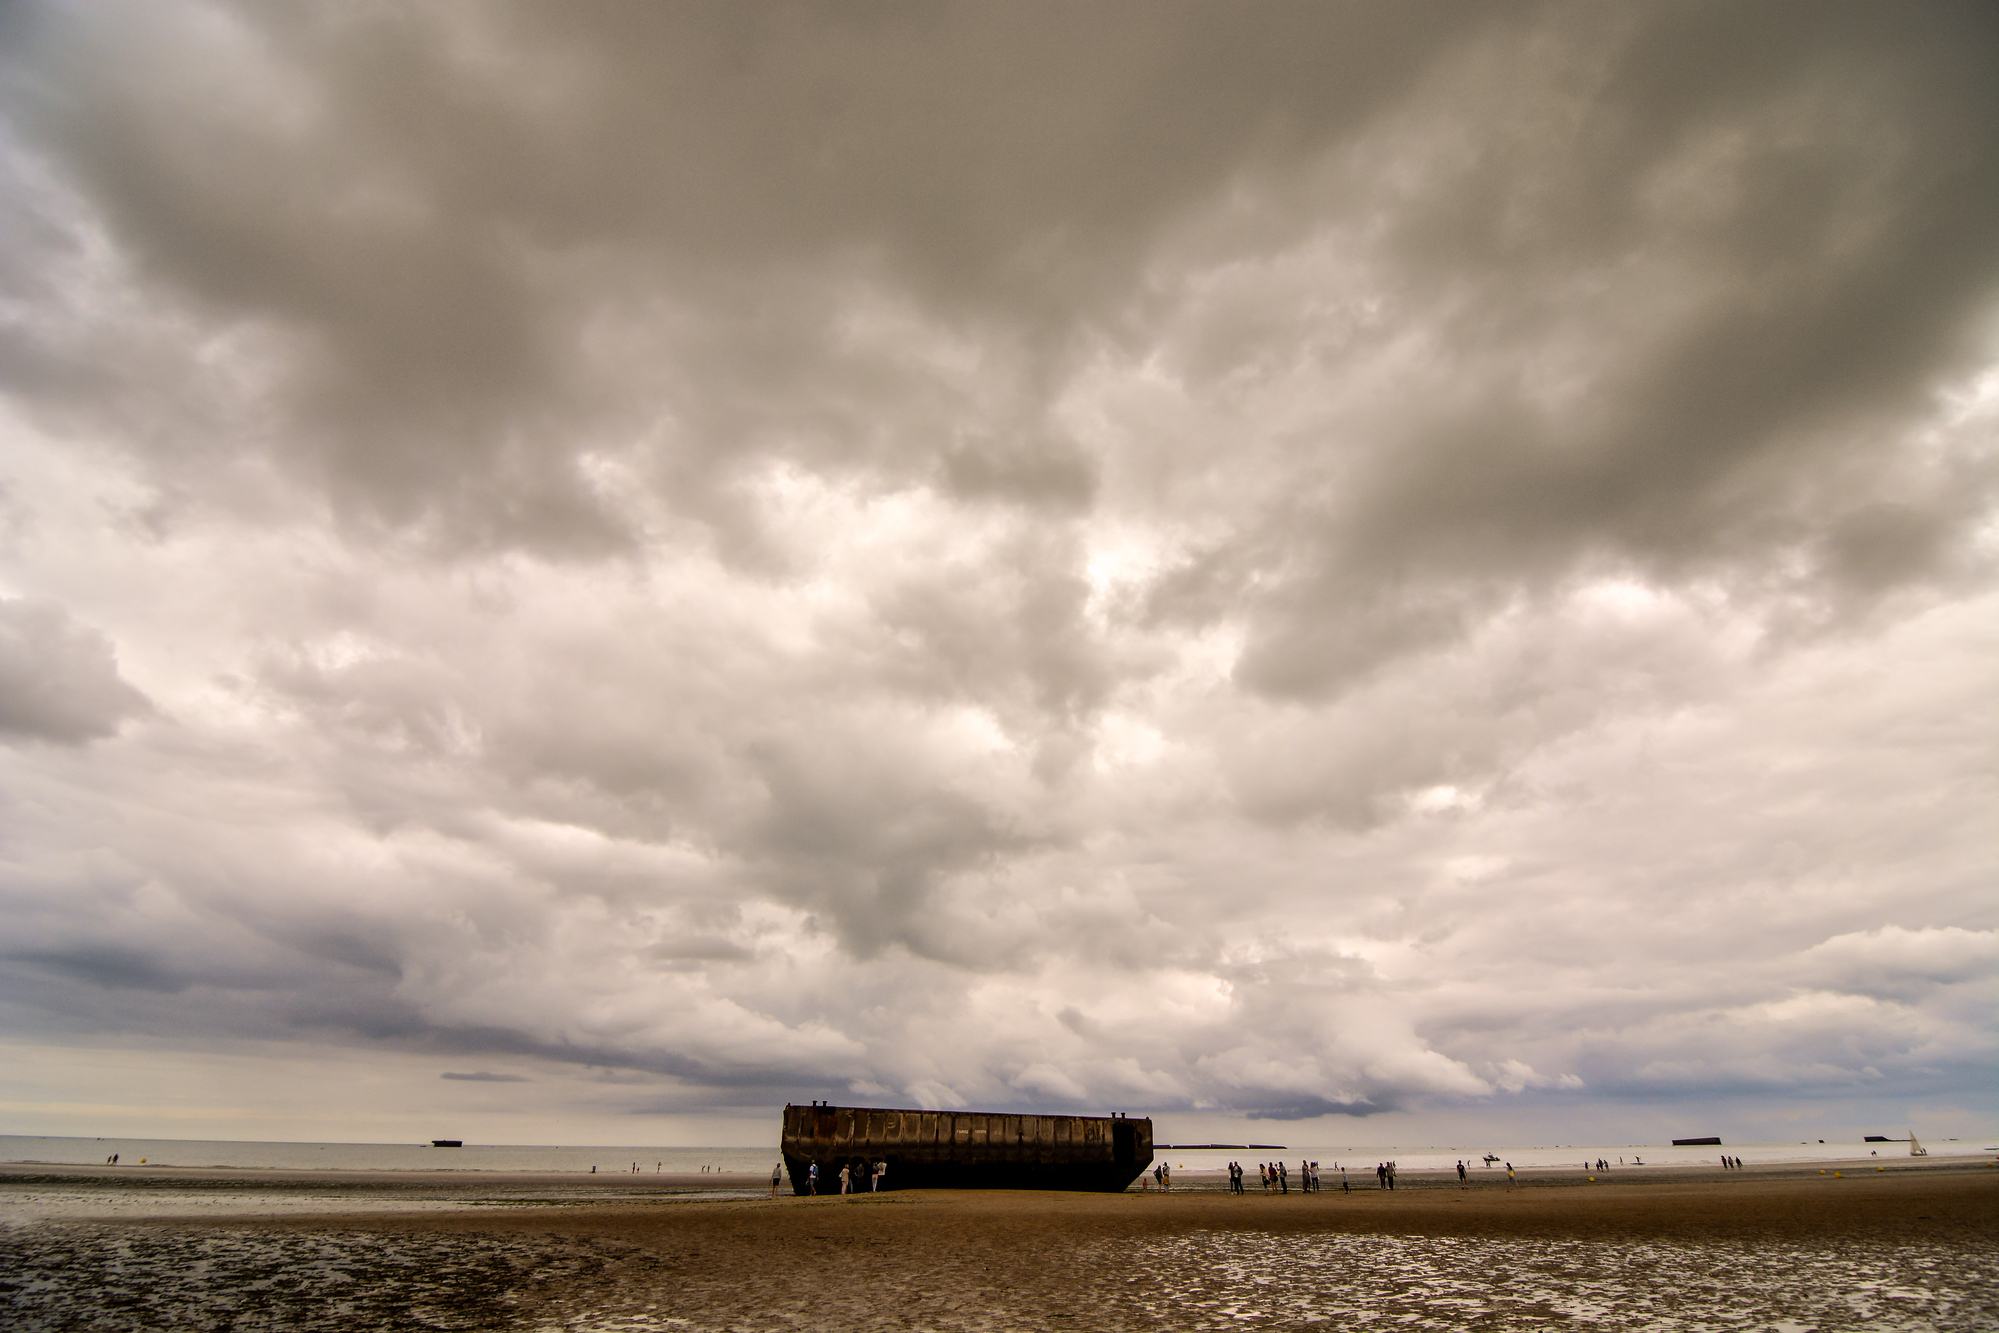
{"x":1592,"y":1177}
{"x":1837,"y":1176}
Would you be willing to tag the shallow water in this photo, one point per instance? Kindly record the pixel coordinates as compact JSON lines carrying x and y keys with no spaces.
{"x":27,"y":1200}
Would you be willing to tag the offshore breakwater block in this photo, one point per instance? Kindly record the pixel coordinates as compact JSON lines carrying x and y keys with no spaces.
{"x":927,"y":1149}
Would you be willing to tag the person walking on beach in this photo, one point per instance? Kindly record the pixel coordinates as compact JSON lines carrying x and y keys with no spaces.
{"x":1509,"y":1175}
{"x":881,"y":1169}
{"x":812,"y":1178}
{"x":846,"y":1177}
{"x":776,"y":1174}
{"x":1461,"y":1173}
{"x":1345,"y":1186}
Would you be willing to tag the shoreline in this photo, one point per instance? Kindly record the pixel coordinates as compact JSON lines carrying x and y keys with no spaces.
{"x":275,"y":1176}
{"x":1186,"y":1180}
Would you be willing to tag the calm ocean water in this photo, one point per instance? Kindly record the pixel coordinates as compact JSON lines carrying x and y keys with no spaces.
{"x":753,"y":1159}
{"x":386,"y":1156}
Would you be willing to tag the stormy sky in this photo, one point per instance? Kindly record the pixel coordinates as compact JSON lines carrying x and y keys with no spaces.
{"x":574,"y":573}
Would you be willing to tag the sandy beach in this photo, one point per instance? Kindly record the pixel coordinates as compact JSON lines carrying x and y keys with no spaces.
{"x":1912,"y":1245}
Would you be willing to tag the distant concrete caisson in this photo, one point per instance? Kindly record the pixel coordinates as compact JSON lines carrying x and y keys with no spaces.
{"x":964,"y":1149}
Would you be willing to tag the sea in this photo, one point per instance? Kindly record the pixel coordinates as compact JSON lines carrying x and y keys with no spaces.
{"x":532,"y":1158}
{"x":757,"y":1159}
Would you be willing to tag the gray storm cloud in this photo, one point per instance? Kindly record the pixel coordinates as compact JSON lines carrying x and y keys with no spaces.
{"x":59,"y":680}
{"x":1322,"y":561}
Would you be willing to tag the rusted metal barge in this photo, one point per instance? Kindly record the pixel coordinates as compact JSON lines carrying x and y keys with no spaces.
{"x":961,"y":1149}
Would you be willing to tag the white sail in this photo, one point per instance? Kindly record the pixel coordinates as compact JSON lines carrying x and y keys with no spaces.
{"x":1916,"y":1149}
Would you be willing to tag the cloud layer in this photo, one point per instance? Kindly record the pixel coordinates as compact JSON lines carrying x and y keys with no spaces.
{"x":1361,"y":562}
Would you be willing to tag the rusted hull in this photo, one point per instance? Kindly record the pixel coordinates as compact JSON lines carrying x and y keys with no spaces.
{"x":963,"y":1149}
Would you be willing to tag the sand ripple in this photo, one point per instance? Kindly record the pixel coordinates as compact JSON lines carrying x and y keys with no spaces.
{"x":63,"y":1276}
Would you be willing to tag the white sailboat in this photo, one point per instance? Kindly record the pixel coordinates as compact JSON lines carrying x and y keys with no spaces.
{"x":1916,"y":1149}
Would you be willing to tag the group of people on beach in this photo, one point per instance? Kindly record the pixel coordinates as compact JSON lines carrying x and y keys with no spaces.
{"x":1276,"y":1177}
{"x":855,"y":1177}
{"x":1730,"y":1163}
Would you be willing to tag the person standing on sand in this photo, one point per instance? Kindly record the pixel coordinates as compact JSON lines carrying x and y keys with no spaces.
{"x":1461,"y":1173}
{"x":846,"y":1177}
{"x":776,"y":1174}
{"x":1509,"y":1175}
{"x":812,"y":1178}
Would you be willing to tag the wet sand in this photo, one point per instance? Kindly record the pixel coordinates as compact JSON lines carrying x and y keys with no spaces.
{"x":1915,"y":1245}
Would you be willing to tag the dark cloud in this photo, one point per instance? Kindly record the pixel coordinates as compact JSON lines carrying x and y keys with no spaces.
{"x":59,"y":680}
{"x":1310,"y":1108}
{"x":483,"y":1077}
